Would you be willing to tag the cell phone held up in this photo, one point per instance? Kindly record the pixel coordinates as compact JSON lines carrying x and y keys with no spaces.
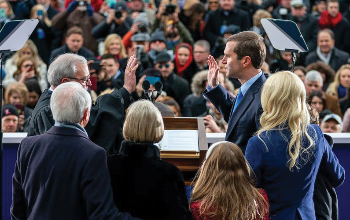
{"x":40,"y":13}
{"x":96,"y":66}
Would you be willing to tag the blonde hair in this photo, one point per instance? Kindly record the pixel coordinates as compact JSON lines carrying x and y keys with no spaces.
{"x":259,"y":14}
{"x":108,"y":42}
{"x":224,"y":187}
{"x":283,"y":100}
{"x":29,"y":44}
{"x":35,"y":9}
{"x":333,"y":87}
{"x":20,"y":89}
{"x":11,"y":12}
{"x":143,"y":123}
{"x":20,"y":63}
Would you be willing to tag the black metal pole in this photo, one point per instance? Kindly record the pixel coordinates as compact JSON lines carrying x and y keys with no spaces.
{"x":1,"y":133}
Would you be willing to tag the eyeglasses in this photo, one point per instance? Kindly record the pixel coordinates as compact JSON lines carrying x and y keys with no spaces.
{"x":201,"y":52}
{"x":213,"y":3}
{"x":160,"y":66}
{"x":85,"y":81}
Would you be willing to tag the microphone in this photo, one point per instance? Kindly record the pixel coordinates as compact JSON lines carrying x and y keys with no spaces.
{"x":158,"y":86}
{"x":146,"y":85}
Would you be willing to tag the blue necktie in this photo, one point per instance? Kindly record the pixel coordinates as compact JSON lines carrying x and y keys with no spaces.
{"x":238,"y":100}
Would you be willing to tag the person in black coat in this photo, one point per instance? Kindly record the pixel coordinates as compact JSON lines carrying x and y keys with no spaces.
{"x":109,"y":109}
{"x":74,"y":44}
{"x":219,"y":20}
{"x":327,"y":52}
{"x":144,"y":185}
{"x":173,"y":85}
{"x":113,"y":23}
{"x":62,"y":174}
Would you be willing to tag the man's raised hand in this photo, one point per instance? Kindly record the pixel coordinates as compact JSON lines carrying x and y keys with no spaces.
{"x":130,"y":76}
{"x":213,"y":79}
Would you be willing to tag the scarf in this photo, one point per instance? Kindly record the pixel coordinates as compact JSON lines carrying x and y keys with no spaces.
{"x":326,"y":21}
{"x":341,"y":91}
{"x":322,"y":57}
{"x":180,"y":68}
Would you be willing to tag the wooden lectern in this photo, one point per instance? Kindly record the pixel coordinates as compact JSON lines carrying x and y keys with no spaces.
{"x":187,"y":162}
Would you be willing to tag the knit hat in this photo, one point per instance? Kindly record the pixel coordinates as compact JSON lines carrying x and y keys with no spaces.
{"x":142,"y":18}
{"x":232,"y":29}
{"x":163,"y":57}
{"x":158,"y":35}
{"x":119,"y":6}
{"x":152,"y":72}
{"x":9,"y":109}
{"x":140,"y":37}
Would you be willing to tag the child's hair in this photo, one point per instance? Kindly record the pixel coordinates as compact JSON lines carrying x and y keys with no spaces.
{"x":225,"y":188}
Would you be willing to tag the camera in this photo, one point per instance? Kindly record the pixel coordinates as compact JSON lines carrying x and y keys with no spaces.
{"x":142,"y":28}
{"x":82,"y":3}
{"x":169,"y":8}
{"x":139,"y":50}
{"x":118,"y":14}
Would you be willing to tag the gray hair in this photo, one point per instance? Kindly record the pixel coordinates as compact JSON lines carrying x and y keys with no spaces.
{"x":314,"y":76}
{"x":203,"y":43}
{"x":64,"y":66}
{"x":69,"y":101}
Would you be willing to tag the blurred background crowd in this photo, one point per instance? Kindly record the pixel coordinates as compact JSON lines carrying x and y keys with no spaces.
{"x":172,"y":41}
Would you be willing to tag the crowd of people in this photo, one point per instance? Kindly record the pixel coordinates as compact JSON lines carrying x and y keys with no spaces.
{"x":215,"y":61}
{"x":172,"y":40}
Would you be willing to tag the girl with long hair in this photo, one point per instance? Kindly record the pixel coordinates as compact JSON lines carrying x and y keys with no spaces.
{"x":224,"y":188}
{"x":341,"y":82}
{"x":287,"y":150}
{"x":113,"y":45}
{"x":29,"y":49}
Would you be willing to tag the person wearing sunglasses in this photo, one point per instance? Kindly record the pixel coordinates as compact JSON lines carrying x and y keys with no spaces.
{"x":173,"y":85}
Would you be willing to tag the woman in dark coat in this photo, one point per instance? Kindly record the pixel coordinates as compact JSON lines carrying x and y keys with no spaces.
{"x":144,"y":185}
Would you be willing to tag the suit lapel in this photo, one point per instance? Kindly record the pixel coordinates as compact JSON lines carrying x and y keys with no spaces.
{"x":248,"y":98}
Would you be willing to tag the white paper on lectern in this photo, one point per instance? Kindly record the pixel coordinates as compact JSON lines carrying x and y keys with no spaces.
{"x":278,"y":38}
{"x":179,"y":140}
{"x":14,"y":34}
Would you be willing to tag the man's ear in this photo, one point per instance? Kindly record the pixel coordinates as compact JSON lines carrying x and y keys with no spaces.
{"x":246,"y":61}
{"x":64,"y":80}
{"x":85,"y":118}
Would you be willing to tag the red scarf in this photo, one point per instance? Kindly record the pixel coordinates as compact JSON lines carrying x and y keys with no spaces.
{"x":180,"y":68}
{"x":326,"y":21}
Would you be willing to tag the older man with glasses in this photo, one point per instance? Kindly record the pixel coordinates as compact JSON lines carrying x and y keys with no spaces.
{"x":108,"y":111}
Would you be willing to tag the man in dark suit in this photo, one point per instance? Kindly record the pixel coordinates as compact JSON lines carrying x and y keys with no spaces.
{"x":244,"y":55}
{"x":219,"y":20}
{"x":62,"y":174}
{"x":106,"y":120}
{"x":74,"y":44}
{"x":327,"y":52}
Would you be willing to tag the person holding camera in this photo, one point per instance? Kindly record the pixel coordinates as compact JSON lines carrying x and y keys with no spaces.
{"x":140,"y":24}
{"x":175,"y":31}
{"x":116,"y":22}
{"x":79,"y":13}
{"x":219,"y":20}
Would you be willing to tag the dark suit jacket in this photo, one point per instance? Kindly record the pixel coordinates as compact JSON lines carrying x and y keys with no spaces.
{"x":88,"y":54}
{"x":217,"y":18}
{"x":146,"y":186}
{"x":62,"y":175}
{"x":291,"y":193}
{"x":338,"y":58}
{"x":246,"y":120}
{"x":105,"y":123}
